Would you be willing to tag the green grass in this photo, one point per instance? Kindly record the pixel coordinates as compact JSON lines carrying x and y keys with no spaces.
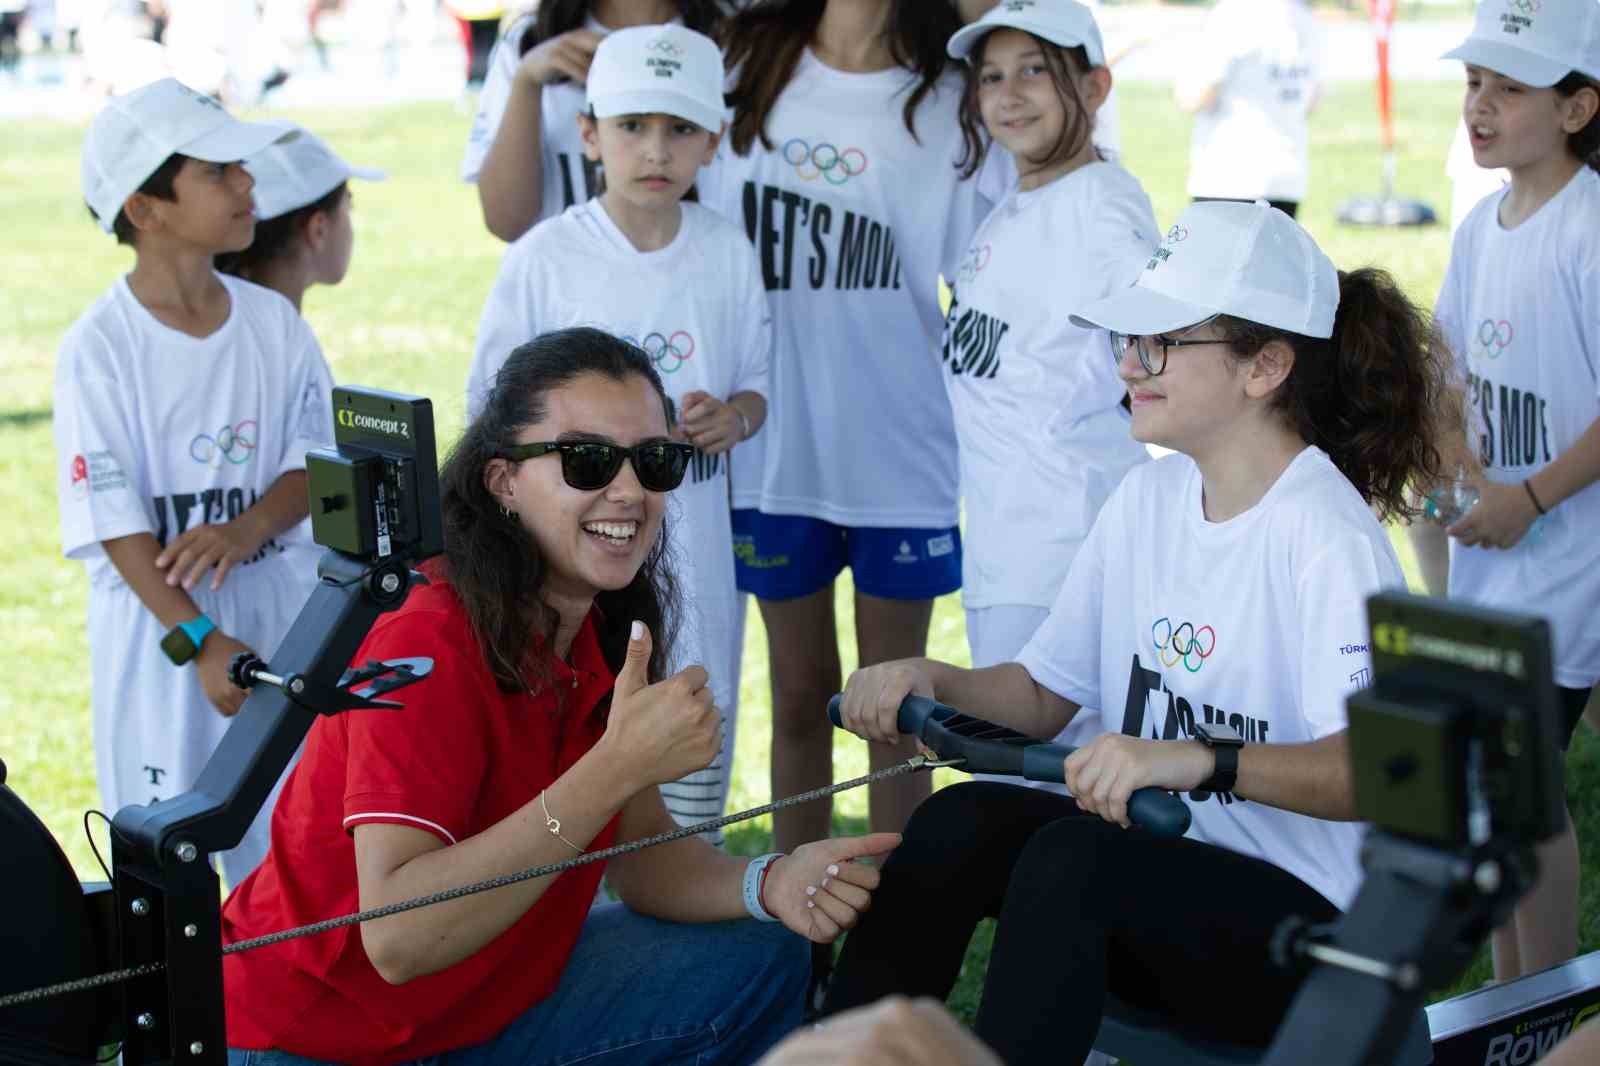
{"x":405,"y":319}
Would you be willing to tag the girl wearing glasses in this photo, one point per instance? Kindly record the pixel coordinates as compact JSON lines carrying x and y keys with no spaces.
{"x":1037,"y":404}
{"x":1216,"y":617}
{"x":542,"y":731}
{"x":682,"y":283}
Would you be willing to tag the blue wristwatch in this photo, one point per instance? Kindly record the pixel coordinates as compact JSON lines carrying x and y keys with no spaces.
{"x":182,"y":642}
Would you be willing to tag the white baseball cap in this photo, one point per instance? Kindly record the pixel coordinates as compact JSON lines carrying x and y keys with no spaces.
{"x":297,"y":171}
{"x":1250,"y":261}
{"x":1063,"y":22}
{"x":670,"y":70}
{"x":1536,"y":42}
{"x":135,"y":133}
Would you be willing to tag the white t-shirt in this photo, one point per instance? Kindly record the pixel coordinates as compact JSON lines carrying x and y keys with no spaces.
{"x":1259,"y":622}
{"x":853,"y":222}
{"x":157,"y":431}
{"x":713,"y":334}
{"x":1037,"y":400}
{"x":1519,"y":306}
{"x":569,"y":177}
{"x":1266,"y":55}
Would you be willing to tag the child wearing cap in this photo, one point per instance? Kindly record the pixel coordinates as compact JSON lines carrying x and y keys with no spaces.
{"x":303,"y":202}
{"x":1251,"y":80}
{"x":1216,"y":615}
{"x":841,"y":161}
{"x":1518,"y":310}
{"x":524,"y":153}
{"x":682,"y":283}
{"x":1037,"y":404}
{"x":184,"y":404}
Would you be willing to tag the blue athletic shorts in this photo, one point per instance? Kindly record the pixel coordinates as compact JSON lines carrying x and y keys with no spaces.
{"x":780,"y":557}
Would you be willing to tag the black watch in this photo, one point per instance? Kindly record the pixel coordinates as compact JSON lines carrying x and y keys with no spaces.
{"x":1225,"y":742}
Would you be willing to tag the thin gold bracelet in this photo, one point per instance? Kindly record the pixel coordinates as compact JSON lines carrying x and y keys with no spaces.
{"x":554,"y":825}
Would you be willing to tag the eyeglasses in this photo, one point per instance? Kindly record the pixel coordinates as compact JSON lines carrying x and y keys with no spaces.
{"x":589,"y":465}
{"x":1121,"y":342}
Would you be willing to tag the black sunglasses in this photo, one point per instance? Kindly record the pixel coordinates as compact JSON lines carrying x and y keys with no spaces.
{"x":590,"y":464}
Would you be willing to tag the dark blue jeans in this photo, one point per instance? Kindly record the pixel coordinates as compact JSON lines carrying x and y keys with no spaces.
{"x":641,"y":992}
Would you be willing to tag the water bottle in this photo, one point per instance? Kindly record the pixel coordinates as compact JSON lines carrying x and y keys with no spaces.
{"x":1448,"y":503}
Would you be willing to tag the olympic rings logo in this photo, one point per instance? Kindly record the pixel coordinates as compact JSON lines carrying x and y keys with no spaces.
{"x":971,"y":266}
{"x":1527,"y":7}
{"x":665,"y":47}
{"x":824,"y":161}
{"x":667,"y":353}
{"x":1177,"y":235}
{"x":235,"y":444}
{"x":1495,"y":337}
{"x":1183,"y":643}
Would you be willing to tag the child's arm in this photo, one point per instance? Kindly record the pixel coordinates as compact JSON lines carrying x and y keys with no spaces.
{"x":223,"y":545}
{"x":135,"y":557}
{"x":1505,"y":512}
{"x":510,"y":185}
{"x":715,"y":426}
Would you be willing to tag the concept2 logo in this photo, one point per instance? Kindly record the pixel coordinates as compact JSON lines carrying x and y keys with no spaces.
{"x":667,"y":353}
{"x":1182,"y":643}
{"x":976,"y":259}
{"x":1494,"y":337}
{"x":825,"y":161}
{"x":233,"y":444}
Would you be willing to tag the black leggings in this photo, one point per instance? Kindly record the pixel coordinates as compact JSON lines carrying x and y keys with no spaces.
{"x":1086,"y":908}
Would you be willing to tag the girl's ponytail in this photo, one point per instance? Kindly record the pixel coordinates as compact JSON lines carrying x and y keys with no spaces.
{"x":1376,"y":396}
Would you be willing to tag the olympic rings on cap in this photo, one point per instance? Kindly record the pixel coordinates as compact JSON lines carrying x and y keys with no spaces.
{"x":1177,"y":235}
{"x":1183,"y":643}
{"x":665,"y":47}
{"x":824,"y":161}
{"x":1527,"y":7}
{"x":1495,"y":337}
{"x":667,"y":353}
{"x":233,"y":443}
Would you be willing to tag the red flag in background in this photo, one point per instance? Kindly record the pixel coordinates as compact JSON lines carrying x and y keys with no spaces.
{"x":1383,"y":25}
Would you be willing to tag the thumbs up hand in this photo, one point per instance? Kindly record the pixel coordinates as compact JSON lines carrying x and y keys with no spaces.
{"x":820,"y":890}
{"x":663,"y":731}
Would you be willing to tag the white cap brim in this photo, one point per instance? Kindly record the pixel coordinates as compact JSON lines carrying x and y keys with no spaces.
{"x":369,"y":173}
{"x":1141,"y":311}
{"x":964,"y":40}
{"x":1515,"y":63}
{"x":234,"y":140}
{"x":655,"y":102}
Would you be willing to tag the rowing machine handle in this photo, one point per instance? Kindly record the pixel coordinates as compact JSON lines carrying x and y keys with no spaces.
{"x":1157,"y":810}
{"x":914,"y":713}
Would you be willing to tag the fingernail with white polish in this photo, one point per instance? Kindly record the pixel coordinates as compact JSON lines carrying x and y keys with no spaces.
{"x":833,"y":871}
{"x":811,"y":890}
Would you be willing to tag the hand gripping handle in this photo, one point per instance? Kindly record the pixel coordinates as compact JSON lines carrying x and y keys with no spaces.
{"x":1157,"y":810}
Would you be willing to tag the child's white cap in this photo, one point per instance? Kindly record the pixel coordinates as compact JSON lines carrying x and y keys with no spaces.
{"x":669,"y":70}
{"x":1536,"y":42}
{"x":1062,"y":22}
{"x":135,"y":133}
{"x":1250,"y":261}
{"x":299,"y":171}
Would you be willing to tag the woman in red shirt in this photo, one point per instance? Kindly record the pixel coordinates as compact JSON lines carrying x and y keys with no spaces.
{"x":543,"y":730}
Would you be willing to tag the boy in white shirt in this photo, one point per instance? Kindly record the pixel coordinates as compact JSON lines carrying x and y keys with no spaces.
{"x":683,"y":284}
{"x":184,"y":404}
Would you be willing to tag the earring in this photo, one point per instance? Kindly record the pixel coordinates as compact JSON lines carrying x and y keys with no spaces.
{"x":508,"y":513}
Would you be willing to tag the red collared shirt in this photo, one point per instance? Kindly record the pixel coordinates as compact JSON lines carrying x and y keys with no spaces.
{"x":461,"y":756}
